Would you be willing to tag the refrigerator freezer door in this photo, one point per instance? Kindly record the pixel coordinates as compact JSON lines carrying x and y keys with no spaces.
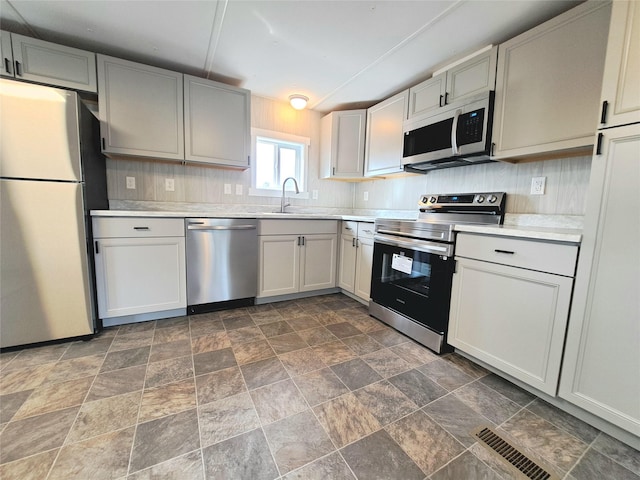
{"x":44,"y":275}
{"x":39,"y":135}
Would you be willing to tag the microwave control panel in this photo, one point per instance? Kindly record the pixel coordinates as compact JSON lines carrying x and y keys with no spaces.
{"x":470,"y":127}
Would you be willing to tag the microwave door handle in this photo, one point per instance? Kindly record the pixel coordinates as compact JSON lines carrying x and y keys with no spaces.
{"x":454,"y":131}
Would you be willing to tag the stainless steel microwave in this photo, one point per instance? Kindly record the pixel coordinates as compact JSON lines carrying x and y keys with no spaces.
{"x":459,"y":136}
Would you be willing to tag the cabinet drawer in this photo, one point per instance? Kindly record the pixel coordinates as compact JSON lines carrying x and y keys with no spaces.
{"x":365,"y":230}
{"x":349,"y":227}
{"x":297,"y":227}
{"x":534,"y":255}
{"x":109,"y":227}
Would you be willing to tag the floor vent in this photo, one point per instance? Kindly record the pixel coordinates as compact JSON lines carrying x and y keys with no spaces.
{"x":511,"y":456}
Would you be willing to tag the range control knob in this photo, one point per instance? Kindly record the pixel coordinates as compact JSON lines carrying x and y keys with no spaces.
{"x":480,"y":199}
{"x":432,"y":199}
{"x":492,"y":199}
{"x":425,"y":199}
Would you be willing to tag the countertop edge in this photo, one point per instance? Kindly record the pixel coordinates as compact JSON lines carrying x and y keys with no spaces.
{"x":565,"y":235}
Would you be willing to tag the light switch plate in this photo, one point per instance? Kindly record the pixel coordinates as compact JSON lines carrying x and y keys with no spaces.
{"x":537,"y":185}
{"x":238,"y":189}
{"x":131,"y":183}
{"x":227,"y":189}
{"x":169,"y":185}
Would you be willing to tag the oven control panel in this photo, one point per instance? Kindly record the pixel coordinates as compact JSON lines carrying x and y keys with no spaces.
{"x":466,"y":200}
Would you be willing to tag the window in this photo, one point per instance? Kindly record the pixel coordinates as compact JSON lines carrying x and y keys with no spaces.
{"x":278,"y":156}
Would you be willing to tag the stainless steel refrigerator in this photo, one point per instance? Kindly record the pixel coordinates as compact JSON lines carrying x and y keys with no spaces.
{"x":51,"y":174}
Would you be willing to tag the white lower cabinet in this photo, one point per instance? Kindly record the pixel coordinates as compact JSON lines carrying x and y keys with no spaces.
{"x":291,"y":263}
{"x":510,"y":310}
{"x":356,"y":258}
{"x":140,"y":266}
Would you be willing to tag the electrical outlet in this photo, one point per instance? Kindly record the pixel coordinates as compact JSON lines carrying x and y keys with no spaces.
{"x":537,"y":185}
{"x":238,"y":189}
{"x":365,"y":196}
{"x":131,"y":183}
{"x":169,"y":185}
{"x":227,"y":189}
{"x":314,"y":194}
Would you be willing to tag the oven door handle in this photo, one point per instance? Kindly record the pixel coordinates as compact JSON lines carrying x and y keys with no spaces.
{"x":419,"y":245}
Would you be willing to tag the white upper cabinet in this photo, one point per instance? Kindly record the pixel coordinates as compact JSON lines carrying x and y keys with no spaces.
{"x":27,"y":58}
{"x":548,"y":84}
{"x":141,"y":109}
{"x":6,"y":69}
{"x":468,"y":79}
{"x":342,"y":144}
{"x":427,"y":96}
{"x":217,"y":123}
{"x":621,"y":83}
{"x":384,"y":139}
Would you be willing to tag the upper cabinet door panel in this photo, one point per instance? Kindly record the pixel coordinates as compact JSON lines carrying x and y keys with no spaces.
{"x":6,"y":56}
{"x":427,"y":96}
{"x":141,"y":109}
{"x":621,"y":83}
{"x":549,"y":82}
{"x":342,"y":144}
{"x":472,"y":77}
{"x":46,"y":62}
{"x":384,"y":139}
{"x":349,"y":142}
{"x":217,"y":122}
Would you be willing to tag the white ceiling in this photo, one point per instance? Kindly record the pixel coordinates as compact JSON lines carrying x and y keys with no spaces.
{"x":341,"y":54}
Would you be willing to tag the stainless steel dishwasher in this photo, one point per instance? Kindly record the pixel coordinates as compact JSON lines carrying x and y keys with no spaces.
{"x":222,"y":263}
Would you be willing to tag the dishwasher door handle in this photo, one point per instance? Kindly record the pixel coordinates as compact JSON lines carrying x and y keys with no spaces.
{"x":220,"y":227}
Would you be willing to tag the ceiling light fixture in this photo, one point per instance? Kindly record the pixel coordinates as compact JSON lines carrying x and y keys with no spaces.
{"x":298,"y":101}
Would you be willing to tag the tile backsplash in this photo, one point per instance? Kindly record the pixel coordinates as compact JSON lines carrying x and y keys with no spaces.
{"x":565,"y":193}
{"x":566,"y":179}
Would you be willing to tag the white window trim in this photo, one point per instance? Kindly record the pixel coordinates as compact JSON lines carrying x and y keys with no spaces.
{"x":285,"y":137}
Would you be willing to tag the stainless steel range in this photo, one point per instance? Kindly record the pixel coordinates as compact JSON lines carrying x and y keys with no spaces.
{"x":413,"y":263}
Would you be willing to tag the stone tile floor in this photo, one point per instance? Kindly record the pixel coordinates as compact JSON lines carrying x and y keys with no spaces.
{"x":305,"y":389}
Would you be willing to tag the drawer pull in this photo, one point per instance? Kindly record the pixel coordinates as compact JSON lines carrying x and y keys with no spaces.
{"x":141,"y":228}
{"x":504,"y":251}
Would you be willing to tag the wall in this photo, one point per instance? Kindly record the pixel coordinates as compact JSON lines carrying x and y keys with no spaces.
{"x":565,"y":193}
{"x":203,"y":184}
{"x":567,"y":179}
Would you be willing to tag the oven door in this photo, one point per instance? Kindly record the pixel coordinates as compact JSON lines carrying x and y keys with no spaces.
{"x":413,"y":278}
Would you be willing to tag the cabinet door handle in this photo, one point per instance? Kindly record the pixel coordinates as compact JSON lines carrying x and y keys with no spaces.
{"x":603,"y":115}
{"x":357,"y":243}
{"x":440,"y":101}
{"x":353,"y":242}
{"x":103,"y":144}
{"x":299,"y":241}
{"x":141,"y":228}
{"x":334,"y":171}
{"x":446,"y":98}
{"x":504,"y":251}
{"x":18,"y":68}
{"x":7,"y":65}
{"x":302,"y":241}
{"x":599,"y":144}
{"x":97,"y":247}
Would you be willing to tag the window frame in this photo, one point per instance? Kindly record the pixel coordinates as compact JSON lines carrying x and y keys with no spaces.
{"x":280,"y":137}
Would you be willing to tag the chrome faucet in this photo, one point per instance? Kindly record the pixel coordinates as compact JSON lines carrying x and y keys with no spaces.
{"x":282,"y":204}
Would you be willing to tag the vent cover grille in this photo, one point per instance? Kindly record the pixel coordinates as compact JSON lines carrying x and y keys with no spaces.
{"x":511,"y":456}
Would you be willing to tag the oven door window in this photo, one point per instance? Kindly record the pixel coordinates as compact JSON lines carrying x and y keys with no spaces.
{"x":415,"y":284}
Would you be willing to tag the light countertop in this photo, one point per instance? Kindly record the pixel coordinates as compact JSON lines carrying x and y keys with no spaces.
{"x":567,"y":235}
{"x":201,"y":214}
